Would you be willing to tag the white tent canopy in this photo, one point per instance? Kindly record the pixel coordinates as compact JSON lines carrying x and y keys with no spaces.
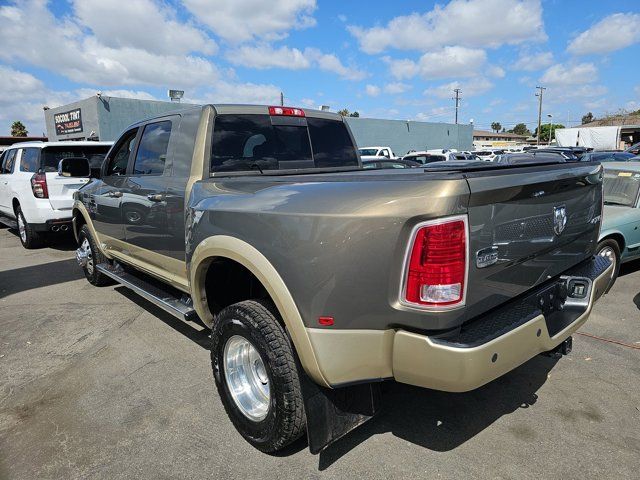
{"x":598,"y":138}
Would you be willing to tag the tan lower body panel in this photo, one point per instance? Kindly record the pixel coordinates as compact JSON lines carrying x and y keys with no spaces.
{"x":356,"y":355}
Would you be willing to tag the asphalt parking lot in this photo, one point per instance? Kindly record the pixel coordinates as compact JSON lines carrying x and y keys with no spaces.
{"x":98,"y":383}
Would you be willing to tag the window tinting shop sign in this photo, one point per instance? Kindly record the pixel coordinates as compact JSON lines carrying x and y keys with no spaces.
{"x":68,"y":122}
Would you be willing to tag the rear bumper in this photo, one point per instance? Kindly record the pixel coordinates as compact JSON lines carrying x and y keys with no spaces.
{"x":54,"y":225}
{"x":479,"y":352}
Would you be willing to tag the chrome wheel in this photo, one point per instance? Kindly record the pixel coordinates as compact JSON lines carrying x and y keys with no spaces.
{"x":609,"y":253}
{"x":247,"y":378}
{"x":85,"y":256}
{"x":22,"y":228}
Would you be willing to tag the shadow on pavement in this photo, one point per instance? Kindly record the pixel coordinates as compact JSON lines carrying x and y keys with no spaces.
{"x":636,"y":300}
{"x":199,"y":337}
{"x":442,"y":421}
{"x":629,"y":267}
{"x":65,"y":242}
{"x":43,"y":275}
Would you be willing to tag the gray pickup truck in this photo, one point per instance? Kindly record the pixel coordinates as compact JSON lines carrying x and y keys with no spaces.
{"x":320,"y":279}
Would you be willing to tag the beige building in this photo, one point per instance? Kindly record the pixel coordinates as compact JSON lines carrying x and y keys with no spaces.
{"x":488,"y":139}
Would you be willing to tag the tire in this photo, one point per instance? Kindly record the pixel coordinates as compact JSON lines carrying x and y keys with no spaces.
{"x":87,"y":242}
{"x":255,"y":322}
{"x":610,"y":248}
{"x":28,"y":236}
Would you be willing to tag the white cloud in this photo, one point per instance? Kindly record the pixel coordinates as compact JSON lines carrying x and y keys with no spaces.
{"x":531,"y":62}
{"x":446,"y":62}
{"x":469,"y":88}
{"x":84,"y":59}
{"x":331,"y":63}
{"x":495,"y":71}
{"x":612,"y":33}
{"x":435,"y":114}
{"x":228,"y":92}
{"x":120,"y":93}
{"x":266,"y":56}
{"x":637,"y":90}
{"x":471,"y":23}
{"x":141,"y":24}
{"x":577,"y":74}
{"x":243,"y":20}
{"x":396,"y":87}
{"x":372,"y":90}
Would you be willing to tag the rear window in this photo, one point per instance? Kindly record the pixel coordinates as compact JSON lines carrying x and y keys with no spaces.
{"x":51,"y":156}
{"x":255,"y":142}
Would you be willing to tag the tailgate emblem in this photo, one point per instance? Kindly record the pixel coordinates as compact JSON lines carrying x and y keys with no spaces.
{"x":486,"y":256}
{"x":559,"y":219}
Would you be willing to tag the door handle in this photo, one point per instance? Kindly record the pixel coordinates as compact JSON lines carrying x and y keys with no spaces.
{"x":155,"y":197}
{"x":115,"y":194}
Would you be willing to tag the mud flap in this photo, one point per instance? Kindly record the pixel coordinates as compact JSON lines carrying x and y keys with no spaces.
{"x":332,"y":413}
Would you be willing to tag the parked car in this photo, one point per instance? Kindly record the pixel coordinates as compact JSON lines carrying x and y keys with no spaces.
{"x":620,"y":234}
{"x":612,"y":156}
{"x":569,"y":153}
{"x":34,"y":197}
{"x":536,"y":157}
{"x":487,"y":155}
{"x":374,"y":153}
{"x":319,"y":280}
{"x":424,"y":157}
{"x":635,"y":149}
{"x":398,"y":163}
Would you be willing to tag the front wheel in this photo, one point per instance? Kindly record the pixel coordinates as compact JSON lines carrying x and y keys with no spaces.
{"x":255,"y":371}
{"x":89,"y":256}
{"x":610,"y":249}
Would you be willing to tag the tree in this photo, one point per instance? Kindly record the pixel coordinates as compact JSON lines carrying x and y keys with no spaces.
{"x":495,"y":126}
{"x":520,"y":129}
{"x":545,"y":130}
{"x":18,"y":129}
{"x":587,"y":118}
{"x":344,"y":112}
{"x":354,"y":114}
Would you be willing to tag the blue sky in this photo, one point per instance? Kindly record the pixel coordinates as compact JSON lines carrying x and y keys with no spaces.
{"x":384,"y":59}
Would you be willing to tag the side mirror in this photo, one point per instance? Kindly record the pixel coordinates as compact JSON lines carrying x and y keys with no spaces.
{"x":74,"y":167}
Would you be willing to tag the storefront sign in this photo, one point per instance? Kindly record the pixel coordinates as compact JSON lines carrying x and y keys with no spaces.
{"x":68,"y":122}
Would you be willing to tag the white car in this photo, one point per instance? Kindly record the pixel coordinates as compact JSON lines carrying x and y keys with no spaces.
{"x":33,"y":196}
{"x":376,"y":153}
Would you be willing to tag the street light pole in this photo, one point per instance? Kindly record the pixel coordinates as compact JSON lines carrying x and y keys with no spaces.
{"x":539,"y":95}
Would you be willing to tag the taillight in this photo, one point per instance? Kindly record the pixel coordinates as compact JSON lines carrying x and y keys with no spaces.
{"x":39,"y":185}
{"x":436,"y":269}
{"x":286,"y":111}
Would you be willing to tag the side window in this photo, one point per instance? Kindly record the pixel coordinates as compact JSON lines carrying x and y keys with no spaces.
{"x":152,"y":151}
{"x":119,"y":156}
{"x":9,"y":159}
{"x":29,"y":160}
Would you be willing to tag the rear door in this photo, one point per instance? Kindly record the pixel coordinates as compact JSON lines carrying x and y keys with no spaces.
{"x":6,"y":168}
{"x":527,"y":225}
{"x":144,"y":202}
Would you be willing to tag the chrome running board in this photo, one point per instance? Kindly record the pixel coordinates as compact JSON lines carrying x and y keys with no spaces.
{"x":178,"y":307}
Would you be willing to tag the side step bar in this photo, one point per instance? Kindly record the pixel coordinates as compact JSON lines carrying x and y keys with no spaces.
{"x":167,"y":301}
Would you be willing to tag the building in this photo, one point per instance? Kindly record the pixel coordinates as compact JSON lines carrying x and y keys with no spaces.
{"x":103,"y":118}
{"x":6,"y":142}
{"x":406,"y":135}
{"x":487,"y":139}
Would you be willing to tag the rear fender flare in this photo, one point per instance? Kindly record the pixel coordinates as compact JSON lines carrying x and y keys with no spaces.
{"x":223,"y":246}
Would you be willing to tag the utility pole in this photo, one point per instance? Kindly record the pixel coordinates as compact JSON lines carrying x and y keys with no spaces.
{"x":539,"y":95}
{"x":281,"y":99}
{"x":457,"y":99}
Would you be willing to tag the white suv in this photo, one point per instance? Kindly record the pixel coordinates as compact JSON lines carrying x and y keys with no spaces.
{"x":33,"y":196}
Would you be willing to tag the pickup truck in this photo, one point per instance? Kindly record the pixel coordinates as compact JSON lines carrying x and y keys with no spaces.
{"x":376,"y":153}
{"x":319,"y":279}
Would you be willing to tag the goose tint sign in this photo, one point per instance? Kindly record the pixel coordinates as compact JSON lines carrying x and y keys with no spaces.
{"x":68,"y":122}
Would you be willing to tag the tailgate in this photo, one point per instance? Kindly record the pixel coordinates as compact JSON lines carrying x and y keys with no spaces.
{"x":528,"y":225}
{"x":61,"y":190}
